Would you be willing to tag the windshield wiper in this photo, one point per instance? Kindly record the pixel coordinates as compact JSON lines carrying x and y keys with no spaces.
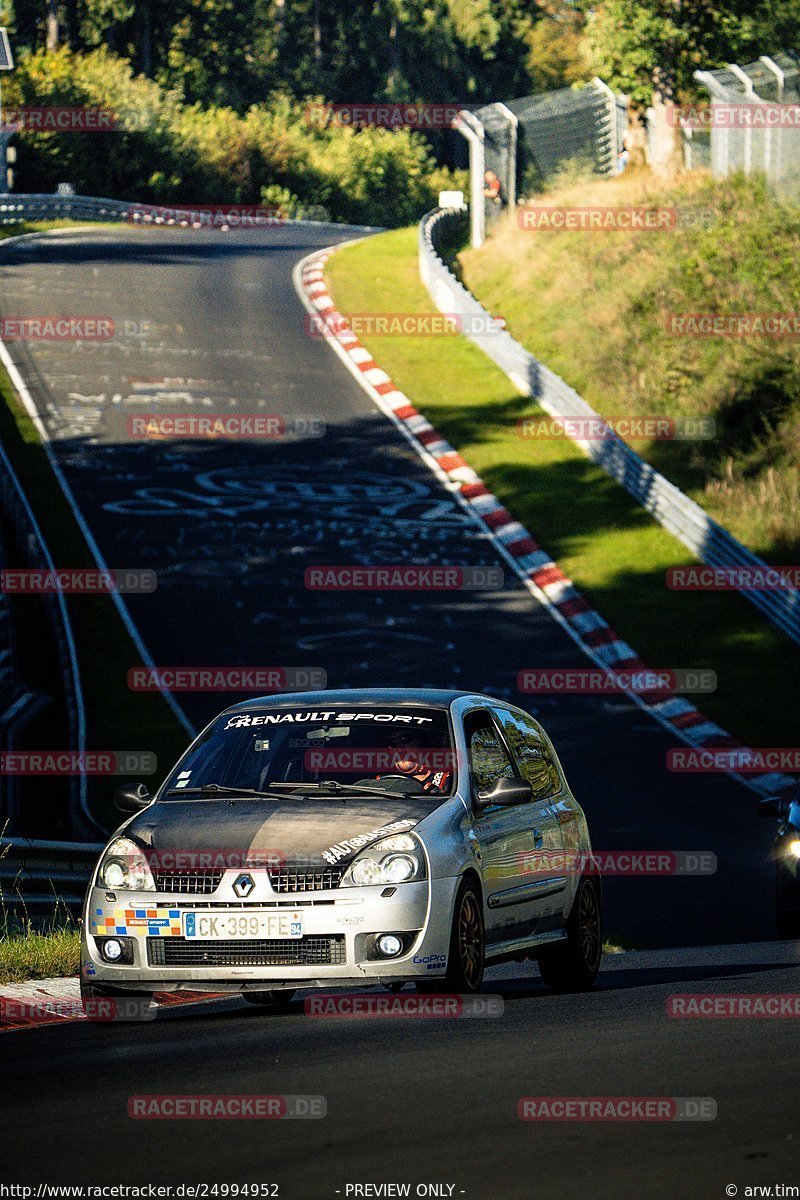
{"x":218,"y":789}
{"x":334,"y":786}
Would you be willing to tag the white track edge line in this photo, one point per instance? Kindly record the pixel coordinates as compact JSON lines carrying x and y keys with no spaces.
{"x":30,"y":407}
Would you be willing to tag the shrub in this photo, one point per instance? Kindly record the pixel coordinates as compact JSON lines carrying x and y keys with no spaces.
{"x":165,"y":152}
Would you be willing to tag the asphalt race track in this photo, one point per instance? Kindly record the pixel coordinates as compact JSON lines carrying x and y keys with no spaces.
{"x":210,"y":322}
{"x":429,"y":1100}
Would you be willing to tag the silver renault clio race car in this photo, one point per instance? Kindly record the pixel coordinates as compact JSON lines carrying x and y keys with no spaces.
{"x":345,"y":839}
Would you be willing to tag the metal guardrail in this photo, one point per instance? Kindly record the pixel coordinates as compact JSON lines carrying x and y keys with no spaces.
{"x":19,"y":515}
{"x":25,"y":206}
{"x":36,"y":876}
{"x":16,"y":207}
{"x":682,"y":517}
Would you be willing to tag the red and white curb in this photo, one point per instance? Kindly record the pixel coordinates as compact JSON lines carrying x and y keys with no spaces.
{"x":533,"y":565}
{"x":39,"y":1002}
{"x":55,"y":1001}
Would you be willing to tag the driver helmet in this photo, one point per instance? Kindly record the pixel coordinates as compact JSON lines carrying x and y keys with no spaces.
{"x":408,"y":756}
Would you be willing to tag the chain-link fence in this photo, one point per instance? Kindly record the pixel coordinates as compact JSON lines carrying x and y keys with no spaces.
{"x":501,"y":147}
{"x":584,"y":124}
{"x":516,"y":147}
{"x":565,"y":125}
{"x":754,"y":118}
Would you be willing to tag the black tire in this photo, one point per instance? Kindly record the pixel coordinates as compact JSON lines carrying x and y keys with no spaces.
{"x":572,"y":966}
{"x":467,"y":955}
{"x":102,"y":1003}
{"x":280,"y":999}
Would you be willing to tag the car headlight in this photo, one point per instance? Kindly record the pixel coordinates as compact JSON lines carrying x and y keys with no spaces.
{"x":794,"y":847}
{"x":396,"y":859}
{"x":124,"y":867}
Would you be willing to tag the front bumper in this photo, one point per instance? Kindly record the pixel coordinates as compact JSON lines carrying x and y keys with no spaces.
{"x":333,"y":952}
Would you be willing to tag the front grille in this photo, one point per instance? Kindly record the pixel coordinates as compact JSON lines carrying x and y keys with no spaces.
{"x":201,"y":883}
{"x":305,"y":881}
{"x":262,"y":952}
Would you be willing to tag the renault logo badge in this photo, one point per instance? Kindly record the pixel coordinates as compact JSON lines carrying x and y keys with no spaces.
{"x":244,"y":885}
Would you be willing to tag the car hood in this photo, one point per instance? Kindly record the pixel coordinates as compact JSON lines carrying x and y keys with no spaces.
{"x":301,"y":833}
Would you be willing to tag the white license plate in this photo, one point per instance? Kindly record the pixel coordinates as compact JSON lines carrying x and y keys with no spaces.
{"x":231,"y":925}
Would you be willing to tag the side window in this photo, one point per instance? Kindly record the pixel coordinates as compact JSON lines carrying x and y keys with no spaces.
{"x":488,"y":756}
{"x":533,"y":757}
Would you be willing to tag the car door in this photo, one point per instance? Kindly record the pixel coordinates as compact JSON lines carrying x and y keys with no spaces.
{"x":506,"y":837}
{"x":550,"y":811}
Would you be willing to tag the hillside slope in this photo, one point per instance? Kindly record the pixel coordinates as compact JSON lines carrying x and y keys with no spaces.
{"x":597,"y":307}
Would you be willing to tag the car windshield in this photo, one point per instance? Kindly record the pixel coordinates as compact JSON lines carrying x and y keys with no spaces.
{"x":323,"y":750}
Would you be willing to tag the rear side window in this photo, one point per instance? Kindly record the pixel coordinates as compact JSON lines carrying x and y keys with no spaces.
{"x":488,"y":756}
{"x":532,"y":754}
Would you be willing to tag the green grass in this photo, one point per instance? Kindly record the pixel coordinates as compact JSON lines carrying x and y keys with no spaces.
{"x":612,"y":549}
{"x":117,"y":719}
{"x":7,"y":231}
{"x":595,"y":306}
{"x":40,"y":955}
{"x":36,"y":947}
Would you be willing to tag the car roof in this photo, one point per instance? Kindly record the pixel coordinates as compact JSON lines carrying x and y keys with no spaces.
{"x":357,"y":697}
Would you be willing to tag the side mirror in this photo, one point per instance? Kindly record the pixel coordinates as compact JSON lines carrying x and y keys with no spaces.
{"x":773,"y":806}
{"x":506,"y":793}
{"x":131,"y":797}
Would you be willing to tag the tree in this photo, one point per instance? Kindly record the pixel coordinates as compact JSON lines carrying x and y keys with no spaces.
{"x":556,"y":56}
{"x":649,"y":50}
{"x":52,"y":24}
